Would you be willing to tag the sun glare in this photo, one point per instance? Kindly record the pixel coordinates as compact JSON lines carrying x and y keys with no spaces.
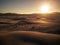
{"x":44,"y":8}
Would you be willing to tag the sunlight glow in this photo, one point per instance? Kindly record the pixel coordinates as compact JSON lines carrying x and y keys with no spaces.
{"x":44,"y":8}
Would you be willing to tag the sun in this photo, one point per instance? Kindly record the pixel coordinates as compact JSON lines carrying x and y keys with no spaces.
{"x":44,"y":8}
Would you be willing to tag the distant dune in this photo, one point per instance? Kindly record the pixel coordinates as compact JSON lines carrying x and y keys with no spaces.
{"x":49,"y":23}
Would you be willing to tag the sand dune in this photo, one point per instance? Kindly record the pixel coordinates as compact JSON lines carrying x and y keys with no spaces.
{"x":28,"y":38}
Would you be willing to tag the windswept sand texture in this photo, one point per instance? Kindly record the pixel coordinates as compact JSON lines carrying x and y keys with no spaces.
{"x":29,"y":29}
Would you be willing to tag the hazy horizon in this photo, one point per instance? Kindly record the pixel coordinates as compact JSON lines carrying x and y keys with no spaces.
{"x":28,"y":6}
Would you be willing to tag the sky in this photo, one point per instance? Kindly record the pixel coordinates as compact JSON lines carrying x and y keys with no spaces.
{"x":27,"y":6}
